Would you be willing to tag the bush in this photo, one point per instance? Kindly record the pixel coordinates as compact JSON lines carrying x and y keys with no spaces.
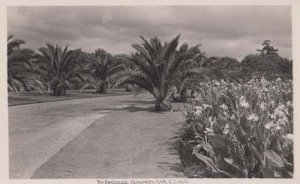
{"x":270,"y":66}
{"x":242,"y":130}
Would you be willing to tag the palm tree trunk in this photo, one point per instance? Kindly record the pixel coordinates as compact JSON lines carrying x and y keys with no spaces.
{"x":56,"y":90}
{"x":102,"y":87}
{"x":128,"y":87}
{"x":183,"y":95}
{"x":162,"y":105}
{"x":49,"y":87}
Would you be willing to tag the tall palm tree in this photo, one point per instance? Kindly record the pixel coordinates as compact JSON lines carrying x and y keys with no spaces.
{"x":157,"y":64}
{"x":21,"y":75}
{"x":101,"y":68}
{"x":60,"y":67}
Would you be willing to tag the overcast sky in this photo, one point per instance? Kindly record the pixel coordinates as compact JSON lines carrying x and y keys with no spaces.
{"x":221,"y":30}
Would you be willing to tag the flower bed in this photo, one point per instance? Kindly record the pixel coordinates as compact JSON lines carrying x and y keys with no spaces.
{"x":239,"y":130}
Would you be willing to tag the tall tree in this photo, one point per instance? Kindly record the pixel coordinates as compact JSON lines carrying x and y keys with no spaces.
{"x":101,"y":68}
{"x":21,"y":75}
{"x":267,"y":48}
{"x":157,"y":64}
{"x":60,"y":67}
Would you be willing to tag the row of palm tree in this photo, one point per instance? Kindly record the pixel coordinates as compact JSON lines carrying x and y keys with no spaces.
{"x":166,"y":70}
{"x":21,"y":74}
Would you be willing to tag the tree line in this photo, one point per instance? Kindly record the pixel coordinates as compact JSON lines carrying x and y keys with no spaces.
{"x":167,"y":70}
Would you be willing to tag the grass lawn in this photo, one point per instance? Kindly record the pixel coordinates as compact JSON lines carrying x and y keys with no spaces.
{"x":35,"y":97}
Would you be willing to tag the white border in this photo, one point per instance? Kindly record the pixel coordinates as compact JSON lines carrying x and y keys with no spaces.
{"x":3,"y":89}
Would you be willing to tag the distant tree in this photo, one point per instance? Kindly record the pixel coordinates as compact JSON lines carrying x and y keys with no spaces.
{"x":190,"y":67}
{"x":21,"y":75}
{"x":123,"y":58}
{"x":102,"y":66}
{"x":60,"y":67}
{"x":269,"y":66}
{"x":267,"y":49}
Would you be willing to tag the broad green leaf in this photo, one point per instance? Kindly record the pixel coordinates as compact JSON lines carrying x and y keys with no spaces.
{"x":229,"y":160}
{"x":207,"y":161}
{"x":237,"y":170}
{"x":267,"y":173}
{"x":257,"y":154}
{"x":209,"y":149}
{"x":241,"y":134}
{"x":274,"y":159}
{"x":220,"y":142}
{"x":260,"y":133}
{"x":245,"y":124}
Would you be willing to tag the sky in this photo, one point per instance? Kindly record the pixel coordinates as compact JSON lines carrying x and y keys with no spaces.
{"x":233,"y":31}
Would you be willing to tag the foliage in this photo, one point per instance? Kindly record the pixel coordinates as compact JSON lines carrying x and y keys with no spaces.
{"x":267,"y":49}
{"x":60,"y":67}
{"x":101,"y":68}
{"x":20,"y":70}
{"x":243,"y":130}
{"x":269,"y":66}
{"x":189,"y":69}
{"x":156,"y":66}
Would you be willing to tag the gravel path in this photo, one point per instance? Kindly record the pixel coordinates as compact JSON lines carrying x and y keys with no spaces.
{"x":106,"y":137}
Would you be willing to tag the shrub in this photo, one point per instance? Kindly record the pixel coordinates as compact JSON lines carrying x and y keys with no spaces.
{"x":242,"y":130}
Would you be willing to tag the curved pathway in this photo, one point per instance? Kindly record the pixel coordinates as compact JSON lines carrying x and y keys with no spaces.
{"x":105,"y":137}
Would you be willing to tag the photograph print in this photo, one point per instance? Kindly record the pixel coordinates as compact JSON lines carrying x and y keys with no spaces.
{"x":150,"y":92}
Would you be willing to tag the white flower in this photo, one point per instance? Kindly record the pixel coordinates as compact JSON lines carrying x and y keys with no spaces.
{"x":198,"y":110}
{"x":223,"y":82}
{"x":272,"y":116}
{"x":208,"y":130}
{"x":211,"y":121}
{"x":278,"y":80}
{"x":252,"y":116}
{"x":251,"y":81}
{"x":265,"y":89}
{"x":224,"y":107}
{"x":269,"y":125}
{"x":263,"y":81}
{"x":205,"y":106}
{"x":226,"y":129}
{"x":288,"y":137}
{"x":272,"y":103}
{"x":288,"y":103}
{"x":217,"y":83}
{"x":243,"y":102}
{"x":262,"y":106}
{"x":282,"y":121}
{"x":281,"y":111}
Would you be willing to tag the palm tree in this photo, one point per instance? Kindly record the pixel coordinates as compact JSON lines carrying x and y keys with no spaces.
{"x":189,"y":69}
{"x":60,"y":67}
{"x":268,"y":49}
{"x":123,"y":58}
{"x":101,"y":68}
{"x":157,"y":64}
{"x":21,"y":75}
